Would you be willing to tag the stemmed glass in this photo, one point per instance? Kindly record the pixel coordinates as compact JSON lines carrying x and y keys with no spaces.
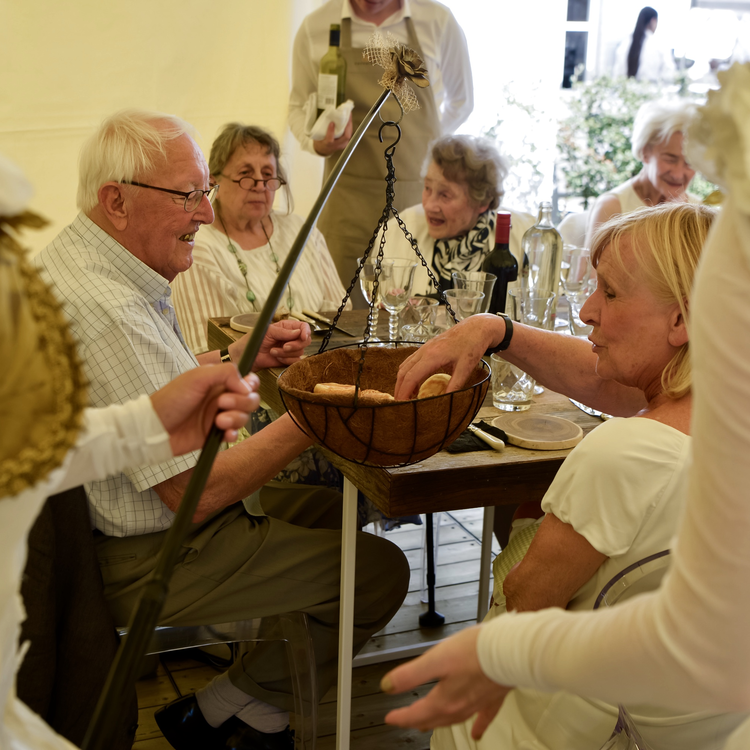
{"x":367,"y":282}
{"x":575,"y":269}
{"x":396,"y":282}
{"x":575,"y":275}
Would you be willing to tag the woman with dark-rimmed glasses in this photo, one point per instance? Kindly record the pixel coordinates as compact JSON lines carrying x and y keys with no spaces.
{"x":237,"y":258}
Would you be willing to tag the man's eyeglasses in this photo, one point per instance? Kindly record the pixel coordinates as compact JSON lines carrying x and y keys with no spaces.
{"x":192,"y":199}
{"x":248,"y":183}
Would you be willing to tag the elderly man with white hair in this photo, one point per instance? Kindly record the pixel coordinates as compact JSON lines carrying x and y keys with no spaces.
{"x":144,"y":193}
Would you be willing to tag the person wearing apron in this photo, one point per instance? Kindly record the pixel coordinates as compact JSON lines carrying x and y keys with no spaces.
{"x":356,"y":203}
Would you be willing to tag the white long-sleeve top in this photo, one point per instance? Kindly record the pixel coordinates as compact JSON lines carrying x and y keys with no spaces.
{"x":688,"y":644}
{"x":656,"y":63}
{"x":111,"y":440}
{"x":440,"y":37}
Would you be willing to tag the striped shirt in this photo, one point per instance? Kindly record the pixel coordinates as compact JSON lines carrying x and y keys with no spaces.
{"x":215,"y":287}
{"x":131,"y":344}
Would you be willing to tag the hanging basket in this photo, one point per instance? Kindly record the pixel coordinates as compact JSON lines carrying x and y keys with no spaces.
{"x":392,"y":434}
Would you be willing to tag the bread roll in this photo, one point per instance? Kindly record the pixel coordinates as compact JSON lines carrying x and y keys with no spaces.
{"x":345,"y":394}
{"x":435,"y":385}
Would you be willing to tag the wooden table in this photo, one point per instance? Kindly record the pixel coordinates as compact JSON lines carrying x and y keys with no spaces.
{"x":446,"y":481}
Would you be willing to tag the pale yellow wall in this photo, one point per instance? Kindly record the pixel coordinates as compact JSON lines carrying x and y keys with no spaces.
{"x":68,"y":64}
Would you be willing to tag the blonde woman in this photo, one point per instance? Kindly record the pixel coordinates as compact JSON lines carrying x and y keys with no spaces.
{"x":619,"y":495}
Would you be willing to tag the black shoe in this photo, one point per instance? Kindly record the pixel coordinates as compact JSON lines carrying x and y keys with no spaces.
{"x":247,"y":738}
{"x":185,"y":728}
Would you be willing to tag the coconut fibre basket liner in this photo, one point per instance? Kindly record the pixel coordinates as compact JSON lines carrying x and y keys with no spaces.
{"x":391,"y":434}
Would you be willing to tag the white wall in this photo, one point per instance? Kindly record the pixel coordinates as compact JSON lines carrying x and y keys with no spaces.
{"x":517,"y":50}
{"x":67,"y":65}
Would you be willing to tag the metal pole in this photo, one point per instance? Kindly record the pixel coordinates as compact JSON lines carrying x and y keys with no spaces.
{"x":124,"y":669}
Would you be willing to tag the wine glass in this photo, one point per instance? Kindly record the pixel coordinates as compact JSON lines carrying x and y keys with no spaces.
{"x":575,"y":269}
{"x":367,"y":282}
{"x":396,"y":282}
{"x":464,"y":302}
{"x":576,"y":302}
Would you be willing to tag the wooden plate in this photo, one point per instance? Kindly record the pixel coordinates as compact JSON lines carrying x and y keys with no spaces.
{"x":539,"y":432}
{"x":244,"y":322}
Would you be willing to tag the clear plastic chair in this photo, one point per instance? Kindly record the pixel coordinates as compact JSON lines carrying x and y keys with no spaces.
{"x":644,"y":575}
{"x":291,"y":628}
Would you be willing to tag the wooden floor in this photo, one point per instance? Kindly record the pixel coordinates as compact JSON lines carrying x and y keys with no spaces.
{"x":456,"y":595}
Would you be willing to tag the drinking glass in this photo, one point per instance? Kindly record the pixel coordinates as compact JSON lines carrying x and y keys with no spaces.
{"x":575,"y":269}
{"x":511,"y":386}
{"x":576,"y":302}
{"x":477,"y":281}
{"x":464,"y":302}
{"x":532,"y":309}
{"x":396,"y":282}
{"x":424,"y":311}
{"x":367,"y":282}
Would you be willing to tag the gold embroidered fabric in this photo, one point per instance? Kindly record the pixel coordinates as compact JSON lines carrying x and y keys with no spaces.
{"x":402,"y":65}
{"x":718,"y":140}
{"x":42,"y":389}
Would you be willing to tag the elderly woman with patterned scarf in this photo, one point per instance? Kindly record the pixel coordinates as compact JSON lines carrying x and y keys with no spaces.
{"x":455,"y":224}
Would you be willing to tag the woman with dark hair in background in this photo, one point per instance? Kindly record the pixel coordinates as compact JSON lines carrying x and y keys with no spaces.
{"x":639,"y":56}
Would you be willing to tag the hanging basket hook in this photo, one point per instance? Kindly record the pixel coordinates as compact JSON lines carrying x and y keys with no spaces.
{"x":390,"y":124}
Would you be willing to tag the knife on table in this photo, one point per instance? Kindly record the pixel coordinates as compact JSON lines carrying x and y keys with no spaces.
{"x":315,"y":327}
{"x":494,"y":442}
{"x":326,"y":321}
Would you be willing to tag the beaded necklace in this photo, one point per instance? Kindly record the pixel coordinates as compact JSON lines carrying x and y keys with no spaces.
{"x":250,"y":294}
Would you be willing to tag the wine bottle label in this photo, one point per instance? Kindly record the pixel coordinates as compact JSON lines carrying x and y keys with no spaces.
{"x":326,"y":90}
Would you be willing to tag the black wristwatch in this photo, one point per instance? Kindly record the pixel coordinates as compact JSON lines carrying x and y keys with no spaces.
{"x":224,"y":354}
{"x":505,"y":343}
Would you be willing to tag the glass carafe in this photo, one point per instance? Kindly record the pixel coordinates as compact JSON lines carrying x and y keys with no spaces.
{"x":543,"y":246}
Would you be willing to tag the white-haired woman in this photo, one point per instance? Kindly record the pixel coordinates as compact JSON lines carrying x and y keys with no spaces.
{"x":658,"y":137}
{"x":455,"y":224}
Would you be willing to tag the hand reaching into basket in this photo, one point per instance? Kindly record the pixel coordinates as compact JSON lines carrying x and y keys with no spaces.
{"x":458,"y":349}
{"x":283,"y":344}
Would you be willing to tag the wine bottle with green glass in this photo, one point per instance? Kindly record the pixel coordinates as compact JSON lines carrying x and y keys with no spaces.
{"x":332,"y":73}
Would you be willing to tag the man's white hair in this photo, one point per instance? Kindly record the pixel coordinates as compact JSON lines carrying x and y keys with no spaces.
{"x":124,"y":147}
{"x":658,"y":121}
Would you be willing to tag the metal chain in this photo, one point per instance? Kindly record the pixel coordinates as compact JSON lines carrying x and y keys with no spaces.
{"x":380,"y":229}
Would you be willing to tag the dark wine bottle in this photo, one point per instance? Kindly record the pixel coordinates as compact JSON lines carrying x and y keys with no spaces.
{"x":501,"y":263}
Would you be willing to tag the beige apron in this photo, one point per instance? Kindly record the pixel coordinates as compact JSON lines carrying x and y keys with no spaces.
{"x":356,"y":203}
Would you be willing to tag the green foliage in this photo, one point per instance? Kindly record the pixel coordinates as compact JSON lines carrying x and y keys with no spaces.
{"x":593,"y":141}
